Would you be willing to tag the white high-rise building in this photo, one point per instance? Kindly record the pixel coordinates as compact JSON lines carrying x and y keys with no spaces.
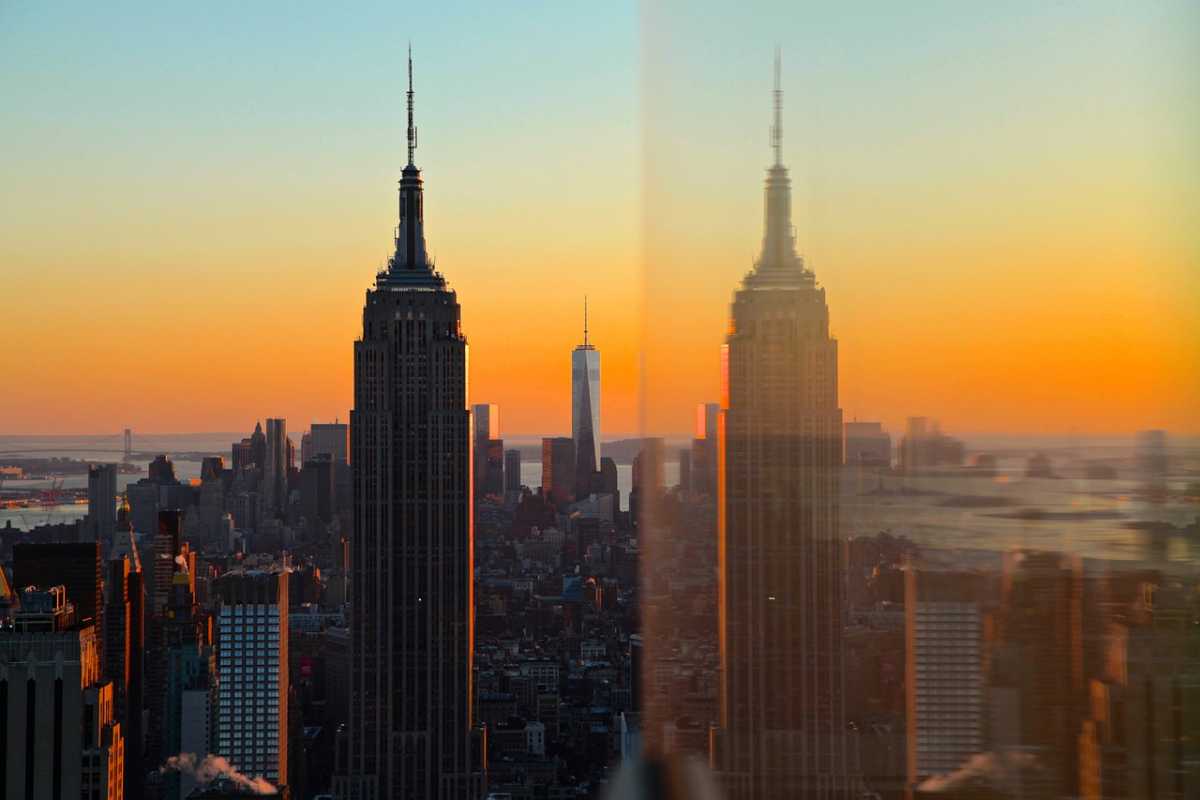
{"x":252,"y":672}
{"x":943,"y":643}
{"x":585,"y":407}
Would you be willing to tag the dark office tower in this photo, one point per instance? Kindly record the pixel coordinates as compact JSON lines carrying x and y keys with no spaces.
{"x":211,"y":468}
{"x":243,"y":454}
{"x":485,"y":426}
{"x":165,"y":547}
{"x":781,"y":717}
{"x":275,"y":468}
{"x":704,"y":449}
{"x":558,"y":470}
{"x":685,"y":471}
{"x":585,"y":411}
{"x":1038,"y":685}
{"x":411,"y":732}
{"x":317,"y":490}
{"x":258,"y":446}
{"x":332,"y":439}
{"x":250,"y":452}
{"x":135,"y":704}
{"x":606,"y":482}
{"x":129,"y":642}
{"x":867,"y":444}
{"x":60,"y":739}
{"x":123,"y":652}
{"x":159,"y":567}
{"x":707,"y":415}
{"x":512,"y":471}
{"x":75,"y":565}
{"x":161,"y":470}
{"x":117,"y":627}
{"x":102,"y":502}
{"x":493,"y":472}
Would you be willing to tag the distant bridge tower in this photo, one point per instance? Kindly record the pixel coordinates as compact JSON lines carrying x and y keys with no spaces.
{"x":128,"y":444}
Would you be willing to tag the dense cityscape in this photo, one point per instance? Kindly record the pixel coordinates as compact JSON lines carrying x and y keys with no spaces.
{"x":385,"y":607}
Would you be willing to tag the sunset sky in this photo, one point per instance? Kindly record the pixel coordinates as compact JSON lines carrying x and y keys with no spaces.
{"x":1001,"y":204}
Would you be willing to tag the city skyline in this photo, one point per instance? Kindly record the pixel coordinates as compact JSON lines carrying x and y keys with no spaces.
{"x":869,"y":520}
{"x":1005,"y":220}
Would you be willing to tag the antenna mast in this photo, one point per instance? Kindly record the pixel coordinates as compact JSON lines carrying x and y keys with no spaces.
{"x":777,"y":128}
{"x":412,"y":131}
{"x":585,"y":329}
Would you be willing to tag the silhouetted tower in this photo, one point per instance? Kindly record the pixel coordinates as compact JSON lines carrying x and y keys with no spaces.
{"x":411,"y":732}
{"x":585,"y":410}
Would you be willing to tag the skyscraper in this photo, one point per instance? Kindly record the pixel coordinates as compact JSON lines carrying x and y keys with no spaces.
{"x":781,"y":723}
{"x":558,"y":470}
{"x":412,"y":622}
{"x":944,"y":691}
{"x":124,"y":648}
{"x":485,"y":421}
{"x":493,"y":469}
{"x":512,"y":471}
{"x":102,"y":502}
{"x":252,"y":664}
{"x":704,"y":449}
{"x":75,"y":565}
{"x":330,"y":438}
{"x":485,"y":425}
{"x":56,"y":707}
{"x":585,"y":410}
{"x":275,"y":472}
{"x":867,"y":444}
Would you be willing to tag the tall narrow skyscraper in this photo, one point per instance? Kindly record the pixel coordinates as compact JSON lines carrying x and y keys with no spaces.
{"x":585,"y":410}
{"x":275,"y":484}
{"x":411,"y":732}
{"x":782,"y":731}
{"x":485,"y":425}
{"x":102,"y":502}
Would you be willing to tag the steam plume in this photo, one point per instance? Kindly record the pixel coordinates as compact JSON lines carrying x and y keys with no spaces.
{"x":213,"y":767}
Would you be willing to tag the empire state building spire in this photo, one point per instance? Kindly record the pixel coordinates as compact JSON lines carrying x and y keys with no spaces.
{"x":776,"y":129}
{"x":778,"y":258}
{"x":411,"y":260}
{"x":412,"y":129}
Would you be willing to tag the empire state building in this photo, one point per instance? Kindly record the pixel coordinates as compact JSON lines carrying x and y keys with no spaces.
{"x":411,"y":734}
{"x":781,"y":731}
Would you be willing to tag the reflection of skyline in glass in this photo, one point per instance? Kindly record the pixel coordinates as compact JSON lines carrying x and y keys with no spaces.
{"x":781,"y":731}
